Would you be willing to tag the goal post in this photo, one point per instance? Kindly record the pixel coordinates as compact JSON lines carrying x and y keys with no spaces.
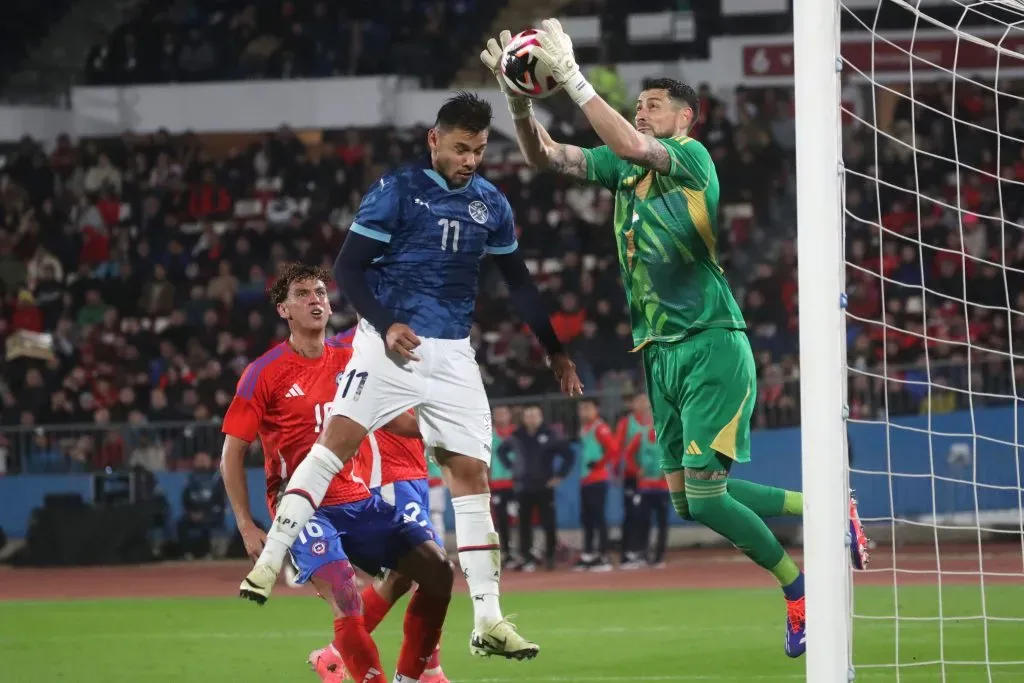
{"x":910,"y":236}
{"x":822,"y":339}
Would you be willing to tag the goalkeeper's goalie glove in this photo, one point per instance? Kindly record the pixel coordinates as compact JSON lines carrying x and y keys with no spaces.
{"x":555,"y":50}
{"x":520,"y":107}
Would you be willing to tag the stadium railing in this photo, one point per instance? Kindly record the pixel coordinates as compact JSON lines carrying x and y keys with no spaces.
{"x":55,"y":449}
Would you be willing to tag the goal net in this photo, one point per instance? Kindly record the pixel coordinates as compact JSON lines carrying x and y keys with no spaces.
{"x":932,"y":194}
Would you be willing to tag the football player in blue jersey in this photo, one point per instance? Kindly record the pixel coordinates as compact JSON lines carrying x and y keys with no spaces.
{"x":410,"y":267}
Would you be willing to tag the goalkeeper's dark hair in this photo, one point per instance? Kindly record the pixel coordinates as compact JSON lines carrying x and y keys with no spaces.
{"x":464,"y":110}
{"x":677,"y":91}
{"x":295,"y":272}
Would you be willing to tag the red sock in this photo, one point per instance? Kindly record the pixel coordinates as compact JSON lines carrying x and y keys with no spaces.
{"x":423,"y":621}
{"x":435,"y":659}
{"x":358,"y":650}
{"x":375,"y":608}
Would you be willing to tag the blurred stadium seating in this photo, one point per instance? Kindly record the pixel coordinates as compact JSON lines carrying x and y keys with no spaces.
{"x":169,"y":41}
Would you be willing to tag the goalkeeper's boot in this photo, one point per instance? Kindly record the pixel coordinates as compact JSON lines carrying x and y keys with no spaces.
{"x":258,"y":584}
{"x":502,"y":639}
{"x":796,"y":627}
{"x":327,"y":664}
{"x":858,"y":539}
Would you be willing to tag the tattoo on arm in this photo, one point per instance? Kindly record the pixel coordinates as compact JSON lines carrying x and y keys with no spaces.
{"x":653,"y":155}
{"x":568,"y":160}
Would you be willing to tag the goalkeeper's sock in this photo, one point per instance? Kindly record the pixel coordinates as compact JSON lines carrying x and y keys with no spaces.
{"x":306,"y":489}
{"x":479,"y":556}
{"x":766,"y":501}
{"x":794,"y":590}
{"x":711,"y":505}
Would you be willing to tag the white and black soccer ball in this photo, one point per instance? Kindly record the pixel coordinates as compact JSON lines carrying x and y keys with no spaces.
{"x":524,"y":74}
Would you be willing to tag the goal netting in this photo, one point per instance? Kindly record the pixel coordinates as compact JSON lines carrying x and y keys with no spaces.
{"x":932,"y":97}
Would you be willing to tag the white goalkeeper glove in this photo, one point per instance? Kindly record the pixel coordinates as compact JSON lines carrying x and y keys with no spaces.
{"x":520,"y":107}
{"x":555,"y":50}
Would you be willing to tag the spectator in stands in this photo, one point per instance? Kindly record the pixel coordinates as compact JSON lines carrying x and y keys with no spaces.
{"x":202,"y":525}
{"x":536,"y":476}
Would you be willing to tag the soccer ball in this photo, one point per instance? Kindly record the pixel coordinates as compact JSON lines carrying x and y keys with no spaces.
{"x":524,"y":74}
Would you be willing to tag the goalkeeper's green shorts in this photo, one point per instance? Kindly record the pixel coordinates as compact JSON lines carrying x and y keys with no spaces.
{"x":702,"y":392}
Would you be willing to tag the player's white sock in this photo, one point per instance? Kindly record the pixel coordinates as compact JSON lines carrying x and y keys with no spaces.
{"x":479,"y":555}
{"x":312,"y":477}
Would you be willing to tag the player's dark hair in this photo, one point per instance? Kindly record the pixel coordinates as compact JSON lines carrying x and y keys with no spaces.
{"x":295,"y":272}
{"x":466,"y":111}
{"x":677,"y":91}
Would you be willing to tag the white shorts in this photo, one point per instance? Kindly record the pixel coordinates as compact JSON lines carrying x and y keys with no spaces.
{"x":444,"y":388}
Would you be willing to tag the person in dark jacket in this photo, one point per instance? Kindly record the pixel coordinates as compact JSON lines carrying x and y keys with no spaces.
{"x":203,"y":502}
{"x":535,"y":478}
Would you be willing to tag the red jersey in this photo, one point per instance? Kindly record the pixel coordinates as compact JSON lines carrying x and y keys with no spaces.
{"x":401,"y":457}
{"x":285,"y":399}
{"x":599,"y":450}
{"x":626,"y":466}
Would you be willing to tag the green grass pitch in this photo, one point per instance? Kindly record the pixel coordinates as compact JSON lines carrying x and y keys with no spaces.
{"x":681,"y":635}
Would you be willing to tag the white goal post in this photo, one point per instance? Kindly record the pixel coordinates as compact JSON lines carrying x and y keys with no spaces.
{"x":822,"y":333}
{"x":935,"y":90}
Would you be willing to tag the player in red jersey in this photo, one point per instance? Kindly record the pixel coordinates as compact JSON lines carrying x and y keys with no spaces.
{"x":403,"y":483}
{"x":284,"y":398}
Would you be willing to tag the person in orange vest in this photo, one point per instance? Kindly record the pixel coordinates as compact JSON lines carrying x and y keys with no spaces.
{"x":598,"y":451}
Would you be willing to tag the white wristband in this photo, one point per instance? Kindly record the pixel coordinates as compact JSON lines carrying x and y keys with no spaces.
{"x":519,"y":107}
{"x":579,"y":89}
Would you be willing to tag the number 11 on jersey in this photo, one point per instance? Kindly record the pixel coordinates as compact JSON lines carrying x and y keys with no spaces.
{"x":454,"y":227}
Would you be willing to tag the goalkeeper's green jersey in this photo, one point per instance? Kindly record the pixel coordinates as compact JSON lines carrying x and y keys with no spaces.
{"x":666,"y":230}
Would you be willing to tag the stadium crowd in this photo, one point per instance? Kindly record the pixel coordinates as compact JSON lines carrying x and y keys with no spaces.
{"x":146,"y":258}
{"x":180,"y":41}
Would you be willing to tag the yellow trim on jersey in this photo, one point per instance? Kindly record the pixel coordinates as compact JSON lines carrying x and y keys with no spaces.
{"x":725,"y":440}
{"x":641,"y":345}
{"x":697,"y":205}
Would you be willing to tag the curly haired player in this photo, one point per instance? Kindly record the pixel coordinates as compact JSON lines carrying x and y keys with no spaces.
{"x":699,"y":368}
{"x":284,"y":398}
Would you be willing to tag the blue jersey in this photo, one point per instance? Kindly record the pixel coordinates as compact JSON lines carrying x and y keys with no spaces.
{"x":436,"y":238}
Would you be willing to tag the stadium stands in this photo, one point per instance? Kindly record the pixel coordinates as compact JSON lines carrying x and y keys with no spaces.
{"x":189,"y":41}
{"x":147,"y":259}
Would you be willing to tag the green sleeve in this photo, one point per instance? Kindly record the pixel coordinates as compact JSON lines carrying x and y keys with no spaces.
{"x":603,"y":167}
{"x":691,"y":161}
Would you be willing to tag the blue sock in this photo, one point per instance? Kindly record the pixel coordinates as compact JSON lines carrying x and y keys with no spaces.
{"x":795,"y":590}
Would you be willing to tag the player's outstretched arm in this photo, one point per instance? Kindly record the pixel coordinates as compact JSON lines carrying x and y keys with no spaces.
{"x":232,"y":469}
{"x":536,"y":145}
{"x":542,"y":152}
{"x":619,"y":134}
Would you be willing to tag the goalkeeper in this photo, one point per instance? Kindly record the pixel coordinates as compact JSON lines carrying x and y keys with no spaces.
{"x":698,"y":365}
